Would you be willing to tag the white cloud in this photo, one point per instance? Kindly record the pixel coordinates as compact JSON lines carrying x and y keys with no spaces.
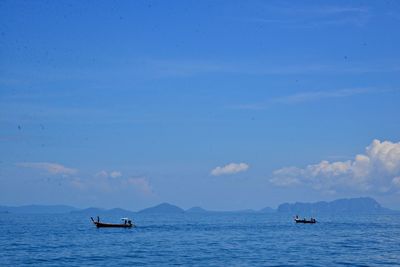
{"x":141,"y":184}
{"x":113,"y":182}
{"x":377,"y":170}
{"x":311,"y":96}
{"x":102,"y":174}
{"x":230,"y":168}
{"x":292,"y":16}
{"x":290,"y":176}
{"x":51,"y":168}
{"x":115,"y":174}
{"x":105,"y":174}
{"x":396,"y":181}
{"x":77,"y":183}
{"x":317,"y":95}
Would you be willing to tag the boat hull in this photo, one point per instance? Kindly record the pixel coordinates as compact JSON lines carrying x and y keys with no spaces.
{"x":304,"y":221}
{"x":115,"y":225}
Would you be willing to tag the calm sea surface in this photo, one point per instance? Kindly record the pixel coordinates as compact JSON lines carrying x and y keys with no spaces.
{"x":217,"y":239}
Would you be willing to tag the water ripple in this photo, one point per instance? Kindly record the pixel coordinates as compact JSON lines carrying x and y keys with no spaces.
{"x":198,"y":240}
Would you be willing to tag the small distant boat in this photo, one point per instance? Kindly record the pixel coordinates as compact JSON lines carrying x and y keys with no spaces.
{"x":298,"y":220}
{"x":126,"y":223}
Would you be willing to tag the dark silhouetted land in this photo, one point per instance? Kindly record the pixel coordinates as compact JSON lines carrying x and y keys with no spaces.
{"x":362,"y":205}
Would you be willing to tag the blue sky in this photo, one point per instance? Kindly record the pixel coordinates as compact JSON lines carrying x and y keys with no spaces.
{"x":221,"y":104}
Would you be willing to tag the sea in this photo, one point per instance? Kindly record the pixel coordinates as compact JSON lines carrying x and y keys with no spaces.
{"x":200,"y":239}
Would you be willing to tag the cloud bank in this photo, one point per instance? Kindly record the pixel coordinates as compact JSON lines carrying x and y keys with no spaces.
{"x":230,"y":168}
{"x":378,"y":170}
{"x":105,"y":174}
{"x":50,"y":168}
{"x":142,"y":185}
{"x":317,"y":95}
{"x":114,"y":182}
{"x":312,"y":96}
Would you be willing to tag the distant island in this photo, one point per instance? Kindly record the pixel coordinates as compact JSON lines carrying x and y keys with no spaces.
{"x":196,"y":210}
{"x":362,"y":205}
{"x":351,"y":205}
{"x":267,"y":210}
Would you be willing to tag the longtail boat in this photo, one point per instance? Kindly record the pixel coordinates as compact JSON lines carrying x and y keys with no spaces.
{"x":298,"y":220}
{"x":127,"y":223}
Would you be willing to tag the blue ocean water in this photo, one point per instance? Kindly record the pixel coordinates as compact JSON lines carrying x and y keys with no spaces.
{"x":212,"y":239}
